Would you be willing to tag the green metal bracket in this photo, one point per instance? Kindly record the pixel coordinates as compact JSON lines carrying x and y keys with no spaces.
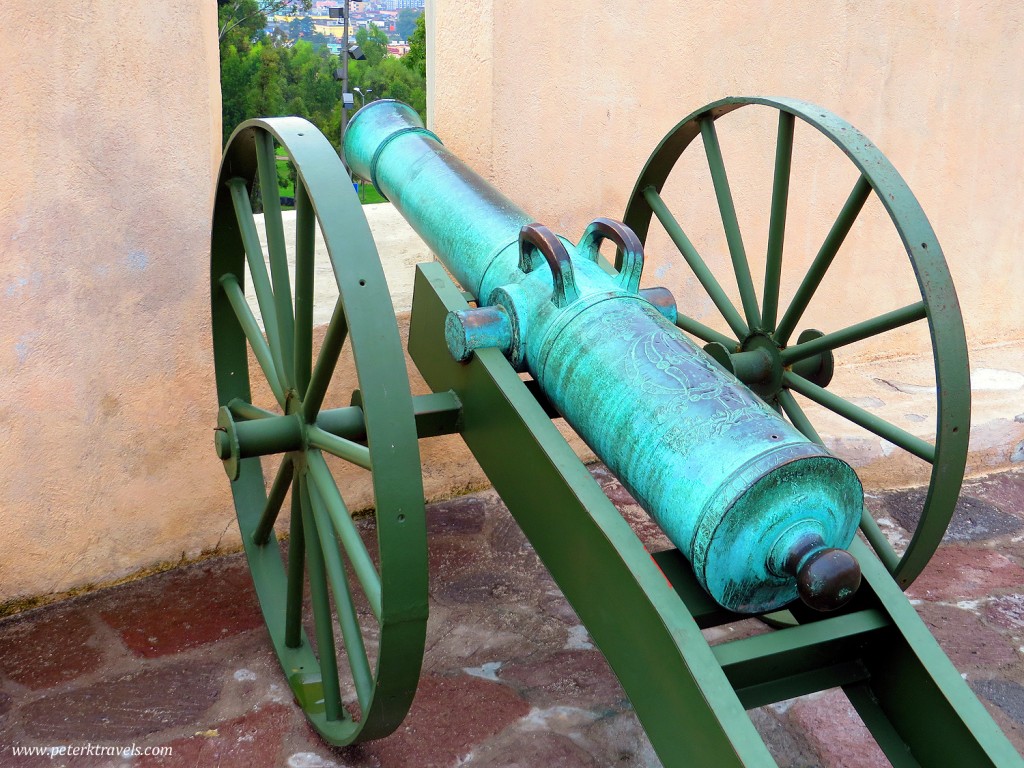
{"x":645,"y":613}
{"x":649,"y":638}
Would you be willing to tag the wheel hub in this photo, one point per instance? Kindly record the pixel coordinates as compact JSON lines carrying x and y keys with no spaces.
{"x":758,"y":363}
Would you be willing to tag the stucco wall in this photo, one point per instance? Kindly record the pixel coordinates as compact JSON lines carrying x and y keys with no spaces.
{"x":567,"y":103}
{"x":110,"y":131}
{"x":581,"y":93}
{"x":111,"y":135}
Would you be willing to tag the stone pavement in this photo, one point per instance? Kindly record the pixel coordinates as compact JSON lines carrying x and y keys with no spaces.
{"x":510,"y":678}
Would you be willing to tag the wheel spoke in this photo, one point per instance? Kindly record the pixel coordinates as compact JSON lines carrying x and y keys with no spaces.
{"x":806,"y":355}
{"x":727,"y":208}
{"x":696,"y":263}
{"x":702,"y":332}
{"x":252,"y":332}
{"x":797,"y":416}
{"x":322,"y":618}
{"x":243,"y":410}
{"x":878,"y":541}
{"x":325,"y":362}
{"x":823,"y":260}
{"x":321,"y":591}
{"x":274,"y":500}
{"x":859,"y":416}
{"x":296,"y":571}
{"x":339,"y":446}
{"x":305,"y":243}
{"x":777,"y":225}
{"x":868,"y":525}
{"x":323,"y":485}
{"x":858,"y":332}
{"x":350,"y":631}
{"x":272,"y":222}
{"x":257,"y":267}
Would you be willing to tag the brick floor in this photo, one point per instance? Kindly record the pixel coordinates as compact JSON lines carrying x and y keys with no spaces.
{"x":181,"y":659}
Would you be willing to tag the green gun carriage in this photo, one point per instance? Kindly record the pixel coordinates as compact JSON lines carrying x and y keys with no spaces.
{"x":700,"y":425}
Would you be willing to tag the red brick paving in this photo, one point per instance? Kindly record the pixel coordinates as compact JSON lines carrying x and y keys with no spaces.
{"x":129,"y":706}
{"x":466,"y":514}
{"x":449,"y":717}
{"x":533,"y":749}
{"x":180,"y":659}
{"x":1006,"y":612}
{"x":580,"y":676}
{"x":959,"y":573}
{"x":253,"y":740}
{"x":829,"y":722}
{"x":195,"y":606}
{"x":55,"y":648}
{"x":970,"y":644}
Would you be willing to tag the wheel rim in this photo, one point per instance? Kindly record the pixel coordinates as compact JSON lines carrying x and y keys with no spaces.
{"x":760,"y":351}
{"x":381,"y":602}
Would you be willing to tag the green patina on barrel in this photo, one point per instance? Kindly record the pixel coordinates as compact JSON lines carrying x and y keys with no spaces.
{"x":753,"y":505}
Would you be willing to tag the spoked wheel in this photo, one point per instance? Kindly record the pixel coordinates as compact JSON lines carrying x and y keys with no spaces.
{"x":759,"y":345}
{"x":380,"y":599}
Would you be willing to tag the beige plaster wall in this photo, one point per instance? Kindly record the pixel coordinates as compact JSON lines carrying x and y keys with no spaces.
{"x":563,"y":108}
{"x":461,"y":78}
{"x":110,"y":132}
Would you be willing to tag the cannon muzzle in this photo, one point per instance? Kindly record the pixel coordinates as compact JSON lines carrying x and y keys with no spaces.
{"x":762,"y":514}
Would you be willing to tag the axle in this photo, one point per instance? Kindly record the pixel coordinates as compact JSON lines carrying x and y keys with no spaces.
{"x":760,"y":512}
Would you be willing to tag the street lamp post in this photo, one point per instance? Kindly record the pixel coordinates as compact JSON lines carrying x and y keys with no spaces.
{"x":344,"y":72}
{"x":362,"y":96}
{"x":341,"y":74}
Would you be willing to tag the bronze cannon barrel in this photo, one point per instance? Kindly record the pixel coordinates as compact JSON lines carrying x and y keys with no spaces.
{"x":762,"y":513}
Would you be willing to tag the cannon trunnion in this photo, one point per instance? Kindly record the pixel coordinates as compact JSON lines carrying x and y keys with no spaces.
{"x":700,"y":425}
{"x":744,"y":496}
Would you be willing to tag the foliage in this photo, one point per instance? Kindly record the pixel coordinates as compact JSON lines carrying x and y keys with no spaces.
{"x":416,"y":58}
{"x":407,"y":20}
{"x":374,"y":43}
{"x":268,"y":80}
{"x":389,"y":80}
{"x":239,"y":21}
{"x":291,"y":72}
{"x":268,"y":76}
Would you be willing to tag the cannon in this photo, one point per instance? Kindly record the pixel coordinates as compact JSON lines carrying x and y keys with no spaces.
{"x":520,"y":326}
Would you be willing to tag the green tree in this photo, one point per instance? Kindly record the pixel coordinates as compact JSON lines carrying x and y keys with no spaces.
{"x":267,"y":98}
{"x":407,"y":18}
{"x":245,"y":18}
{"x":237,"y":80}
{"x":416,"y":58}
{"x":374,"y":43}
{"x":301,"y":27}
{"x":270,"y":75}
